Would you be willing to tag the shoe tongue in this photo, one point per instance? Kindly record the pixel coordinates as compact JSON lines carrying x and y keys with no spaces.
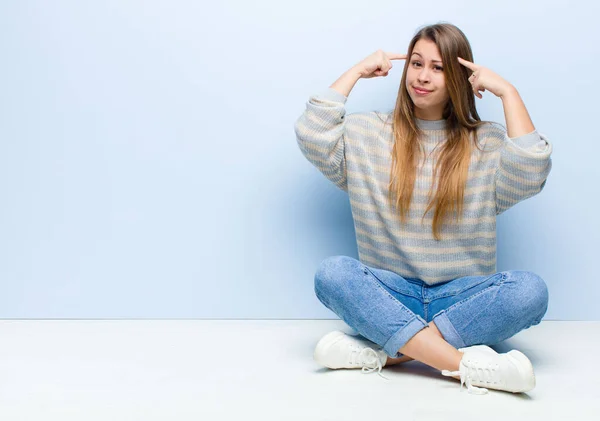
{"x":382,"y":356}
{"x":377,"y":355}
{"x":366,"y":356}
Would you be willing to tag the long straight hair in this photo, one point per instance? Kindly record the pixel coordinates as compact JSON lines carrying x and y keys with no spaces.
{"x":462,"y":120}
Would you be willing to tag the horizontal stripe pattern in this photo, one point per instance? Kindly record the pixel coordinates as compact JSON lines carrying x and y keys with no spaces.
{"x":354,"y":152}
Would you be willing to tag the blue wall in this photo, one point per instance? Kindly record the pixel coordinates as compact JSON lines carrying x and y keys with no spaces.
{"x":149,"y":166}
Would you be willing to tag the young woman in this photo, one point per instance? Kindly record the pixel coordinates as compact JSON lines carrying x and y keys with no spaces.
{"x":426,"y":182}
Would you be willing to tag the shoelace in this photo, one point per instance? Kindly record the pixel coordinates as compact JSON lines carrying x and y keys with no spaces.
{"x":370,"y":361}
{"x":467,"y":376}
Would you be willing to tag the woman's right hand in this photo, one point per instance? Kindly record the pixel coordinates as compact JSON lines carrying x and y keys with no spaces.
{"x":377,"y":64}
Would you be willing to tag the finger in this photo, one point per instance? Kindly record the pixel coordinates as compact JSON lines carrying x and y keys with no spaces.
{"x":467,"y":64}
{"x":476,"y":88}
{"x":396,"y":56}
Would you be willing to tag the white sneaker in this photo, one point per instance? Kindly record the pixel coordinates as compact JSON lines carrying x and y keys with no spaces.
{"x":478,"y":348}
{"x":482,"y":366}
{"x":339,"y":350}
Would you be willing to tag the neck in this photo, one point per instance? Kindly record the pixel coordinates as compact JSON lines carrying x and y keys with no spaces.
{"x":433,"y":113}
{"x":428,"y":114}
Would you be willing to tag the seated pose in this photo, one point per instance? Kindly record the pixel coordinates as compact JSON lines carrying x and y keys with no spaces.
{"x":426,"y":182}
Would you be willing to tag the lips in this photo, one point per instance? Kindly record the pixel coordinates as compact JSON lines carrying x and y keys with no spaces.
{"x":421,"y":91}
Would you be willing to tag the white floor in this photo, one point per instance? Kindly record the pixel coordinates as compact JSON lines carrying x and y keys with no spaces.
{"x":238,"y":370}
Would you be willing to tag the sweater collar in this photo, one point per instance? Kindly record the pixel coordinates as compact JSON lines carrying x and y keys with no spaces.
{"x":430,"y":124}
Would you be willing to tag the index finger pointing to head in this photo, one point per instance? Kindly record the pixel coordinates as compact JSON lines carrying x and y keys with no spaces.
{"x":467,"y":64}
{"x":396,"y":56}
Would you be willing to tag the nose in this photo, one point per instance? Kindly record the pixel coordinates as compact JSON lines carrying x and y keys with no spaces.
{"x":423,"y":75}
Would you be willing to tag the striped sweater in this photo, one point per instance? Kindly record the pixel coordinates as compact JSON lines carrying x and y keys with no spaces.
{"x":354,"y":152}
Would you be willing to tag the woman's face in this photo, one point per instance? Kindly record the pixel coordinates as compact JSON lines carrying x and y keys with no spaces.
{"x":425,"y":81}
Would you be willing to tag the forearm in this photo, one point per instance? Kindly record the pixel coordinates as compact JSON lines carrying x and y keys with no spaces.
{"x":518,"y":122}
{"x":346,"y":82}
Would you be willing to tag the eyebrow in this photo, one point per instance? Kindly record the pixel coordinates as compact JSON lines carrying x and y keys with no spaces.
{"x":438,"y":61}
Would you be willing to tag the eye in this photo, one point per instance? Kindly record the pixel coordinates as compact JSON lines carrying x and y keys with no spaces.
{"x":416,"y":63}
{"x":439,"y":68}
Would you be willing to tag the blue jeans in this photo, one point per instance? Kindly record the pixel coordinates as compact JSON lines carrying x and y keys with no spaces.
{"x":389,"y":310}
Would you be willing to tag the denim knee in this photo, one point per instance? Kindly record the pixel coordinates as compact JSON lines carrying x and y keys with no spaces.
{"x":332,"y":271}
{"x":531,"y":301}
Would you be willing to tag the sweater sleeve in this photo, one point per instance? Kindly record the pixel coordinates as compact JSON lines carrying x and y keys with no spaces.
{"x":320,"y":133}
{"x":523,"y":168}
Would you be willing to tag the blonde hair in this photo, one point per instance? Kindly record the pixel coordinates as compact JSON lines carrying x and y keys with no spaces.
{"x":462,"y":121}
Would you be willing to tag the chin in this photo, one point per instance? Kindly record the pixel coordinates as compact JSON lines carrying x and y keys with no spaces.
{"x":423,"y":104}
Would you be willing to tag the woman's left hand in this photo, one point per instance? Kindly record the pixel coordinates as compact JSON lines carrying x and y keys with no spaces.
{"x":483,"y":79}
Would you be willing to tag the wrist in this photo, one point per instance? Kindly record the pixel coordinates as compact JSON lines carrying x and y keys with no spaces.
{"x":355,"y":72}
{"x":508,"y":91}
